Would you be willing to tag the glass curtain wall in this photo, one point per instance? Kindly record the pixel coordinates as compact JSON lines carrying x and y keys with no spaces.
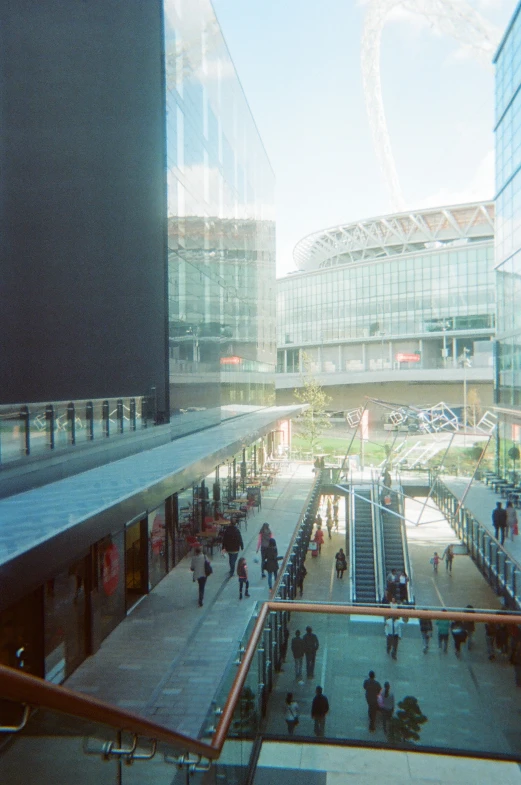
{"x":508,"y":241}
{"x":221,"y":234}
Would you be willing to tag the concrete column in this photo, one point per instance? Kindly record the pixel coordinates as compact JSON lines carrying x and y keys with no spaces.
{"x":455,"y":352}
{"x":364,"y":357}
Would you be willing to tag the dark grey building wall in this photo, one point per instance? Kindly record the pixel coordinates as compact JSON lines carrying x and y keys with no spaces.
{"x":82,"y":200}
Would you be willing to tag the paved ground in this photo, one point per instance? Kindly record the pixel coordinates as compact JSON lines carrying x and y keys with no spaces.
{"x":167,"y":658}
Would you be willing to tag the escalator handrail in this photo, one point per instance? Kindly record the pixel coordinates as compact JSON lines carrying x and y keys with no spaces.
{"x":352,"y":545}
{"x":405,"y":546}
{"x":378,"y":548}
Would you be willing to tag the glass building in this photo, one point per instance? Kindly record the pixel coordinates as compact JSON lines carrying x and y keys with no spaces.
{"x":221,"y":231}
{"x":508,"y":240}
{"x":402,"y":298}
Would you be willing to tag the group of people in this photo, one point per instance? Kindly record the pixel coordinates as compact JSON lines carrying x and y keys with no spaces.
{"x":305,"y":646}
{"x":319,"y":709}
{"x":396,"y":586}
{"x":504,"y":521}
{"x":232,"y":544}
{"x":380,"y":700}
{"x":447,"y":555}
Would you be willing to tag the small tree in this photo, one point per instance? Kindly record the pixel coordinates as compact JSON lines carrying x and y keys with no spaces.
{"x":514,"y":456}
{"x":473,"y":413}
{"x":315,"y":419}
{"x":406,"y":724}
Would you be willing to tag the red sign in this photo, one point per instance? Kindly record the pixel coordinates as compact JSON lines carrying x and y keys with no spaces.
{"x":231,"y":360}
{"x":406,"y":357}
{"x":110,"y":570}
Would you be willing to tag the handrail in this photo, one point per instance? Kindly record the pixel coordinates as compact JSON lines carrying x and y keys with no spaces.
{"x":405,"y":548}
{"x":23,"y":688}
{"x":352,"y":544}
{"x":379,"y":569}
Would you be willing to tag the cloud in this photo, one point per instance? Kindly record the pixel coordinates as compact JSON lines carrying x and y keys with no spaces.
{"x":480,"y":188}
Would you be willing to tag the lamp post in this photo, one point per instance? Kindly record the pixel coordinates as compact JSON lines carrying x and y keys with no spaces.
{"x":466,"y":364}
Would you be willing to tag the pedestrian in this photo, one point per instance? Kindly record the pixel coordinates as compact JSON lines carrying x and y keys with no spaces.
{"x":435,"y":561}
{"x":459,"y":636}
{"x":297,"y":649}
{"x":319,"y":709}
{"x":318,"y":519}
{"x":300,"y":580}
{"x":311,"y":646}
{"x":393,"y":633}
{"x":403,"y":580}
{"x":392,"y":583}
{"x":335,"y":511}
{"x":499,"y":521}
{"x":512,"y":528}
{"x":490,"y":640}
{"x":443,"y":626}
{"x":448,"y":555}
{"x":340,"y":563}
{"x":469,"y":627}
{"x":265,"y":535}
{"x":386,"y":479}
{"x":386,"y":704}
{"x":200,"y":567}
{"x":426,"y":633}
{"x":232,"y":543}
{"x":319,"y":538}
{"x":329,"y":527}
{"x":271,"y":562}
{"x":291,"y":713}
{"x":242,"y":574}
{"x":372,"y":690}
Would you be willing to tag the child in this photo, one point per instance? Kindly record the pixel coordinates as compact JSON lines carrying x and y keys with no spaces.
{"x":435,"y":561}
{"x":242,"y":572}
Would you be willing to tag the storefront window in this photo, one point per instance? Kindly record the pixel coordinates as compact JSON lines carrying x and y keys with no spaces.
{"x":156,"y":546}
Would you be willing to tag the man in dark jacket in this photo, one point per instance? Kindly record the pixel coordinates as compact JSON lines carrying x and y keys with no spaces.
{"x":319,"y":709}
{"x":311,"y":645}
{"x":372,"y":690}
{"x":297,"y":649}
{"x":499,"y":521}
{"x":232,"y":544}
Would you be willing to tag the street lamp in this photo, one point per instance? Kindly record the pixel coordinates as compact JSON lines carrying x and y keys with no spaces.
{"x":466,"y":364}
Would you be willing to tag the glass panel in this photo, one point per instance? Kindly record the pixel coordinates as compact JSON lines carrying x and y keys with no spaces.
{"x":39,"y":430}
{"x":81,"y":427}
{"x":98,"y":419}
{"x":62,"y":427}
{"x":12,"y":430}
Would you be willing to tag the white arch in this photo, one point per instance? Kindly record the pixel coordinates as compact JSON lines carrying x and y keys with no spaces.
{"x":454,"y":18}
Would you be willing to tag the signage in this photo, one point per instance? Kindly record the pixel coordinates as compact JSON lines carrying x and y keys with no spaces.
{"x":110,"y":571}
{"x":407,"y":357}
{"x":231,"y":360}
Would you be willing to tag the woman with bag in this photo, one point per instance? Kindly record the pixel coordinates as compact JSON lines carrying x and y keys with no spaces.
{"x":386,"y":704}
{"x":291,"y":713}
{"x":201,"y":569}
{"x":340,"y":563}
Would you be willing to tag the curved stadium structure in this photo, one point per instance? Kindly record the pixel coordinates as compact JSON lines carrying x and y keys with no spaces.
{"x":400,"y":299}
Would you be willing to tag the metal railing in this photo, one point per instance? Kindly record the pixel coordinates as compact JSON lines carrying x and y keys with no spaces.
{"x":500,"y":569}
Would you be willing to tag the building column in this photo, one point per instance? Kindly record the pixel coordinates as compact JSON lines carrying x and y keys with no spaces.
{"x":364,"y":357}
{"x":455,"y":352}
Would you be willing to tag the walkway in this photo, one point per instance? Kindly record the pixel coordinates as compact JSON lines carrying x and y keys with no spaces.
{"x":166,"y":659}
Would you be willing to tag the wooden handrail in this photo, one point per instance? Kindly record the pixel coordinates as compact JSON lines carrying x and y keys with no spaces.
{"x":22,"y":688}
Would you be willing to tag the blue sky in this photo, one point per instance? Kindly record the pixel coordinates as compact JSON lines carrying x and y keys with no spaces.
{"x":299,"y":62}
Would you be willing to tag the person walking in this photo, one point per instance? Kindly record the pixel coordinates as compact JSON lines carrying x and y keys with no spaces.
{"x":393,"y":633}
{"x":340,"y":563}
{"x":319,"y":709}
{"x":291,"y":713}
{"x":426,"y":633}
{"x":311,"y":646}
{"x":443,"y":626}
{"x":319,"y":539}
{"x":511,"y":524}
{"x":271,"y":562}
{"x":469,"y":627}
{"x":459,"y":636}
{"x":386,"y":705}
{"x":435,"y":561}
{"x":232,"y":543}
{"x":403,"y":580}
{"x":329,"y":527}
{"x":200,"y":570}
{"x":499,"y":522}
{"x":242,"y":574}
{"x":265,"y":535}
{"x":392,"y":585}
{"x":448,"y":555}
{"x":297,"y":649}
{"x":372,"y":690}
{"x":300,"y":579}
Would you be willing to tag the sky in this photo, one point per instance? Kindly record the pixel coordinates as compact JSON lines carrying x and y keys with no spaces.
{"x":299,"y":62}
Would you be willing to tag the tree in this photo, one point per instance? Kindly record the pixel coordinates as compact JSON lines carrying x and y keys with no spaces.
{"x":514,"y":456}
{"x":314,"y":420}
{"x":406,"y":724}
{"x":473,"y":413}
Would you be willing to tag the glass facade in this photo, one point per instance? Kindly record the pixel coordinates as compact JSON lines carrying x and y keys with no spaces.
{"x":435,"y":301}
{"x":508,"y":222}
{"x":221,"y":231}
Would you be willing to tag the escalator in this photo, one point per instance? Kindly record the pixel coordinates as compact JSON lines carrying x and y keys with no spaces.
{"x":363,"y":547}
{"x":394,"y":543}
